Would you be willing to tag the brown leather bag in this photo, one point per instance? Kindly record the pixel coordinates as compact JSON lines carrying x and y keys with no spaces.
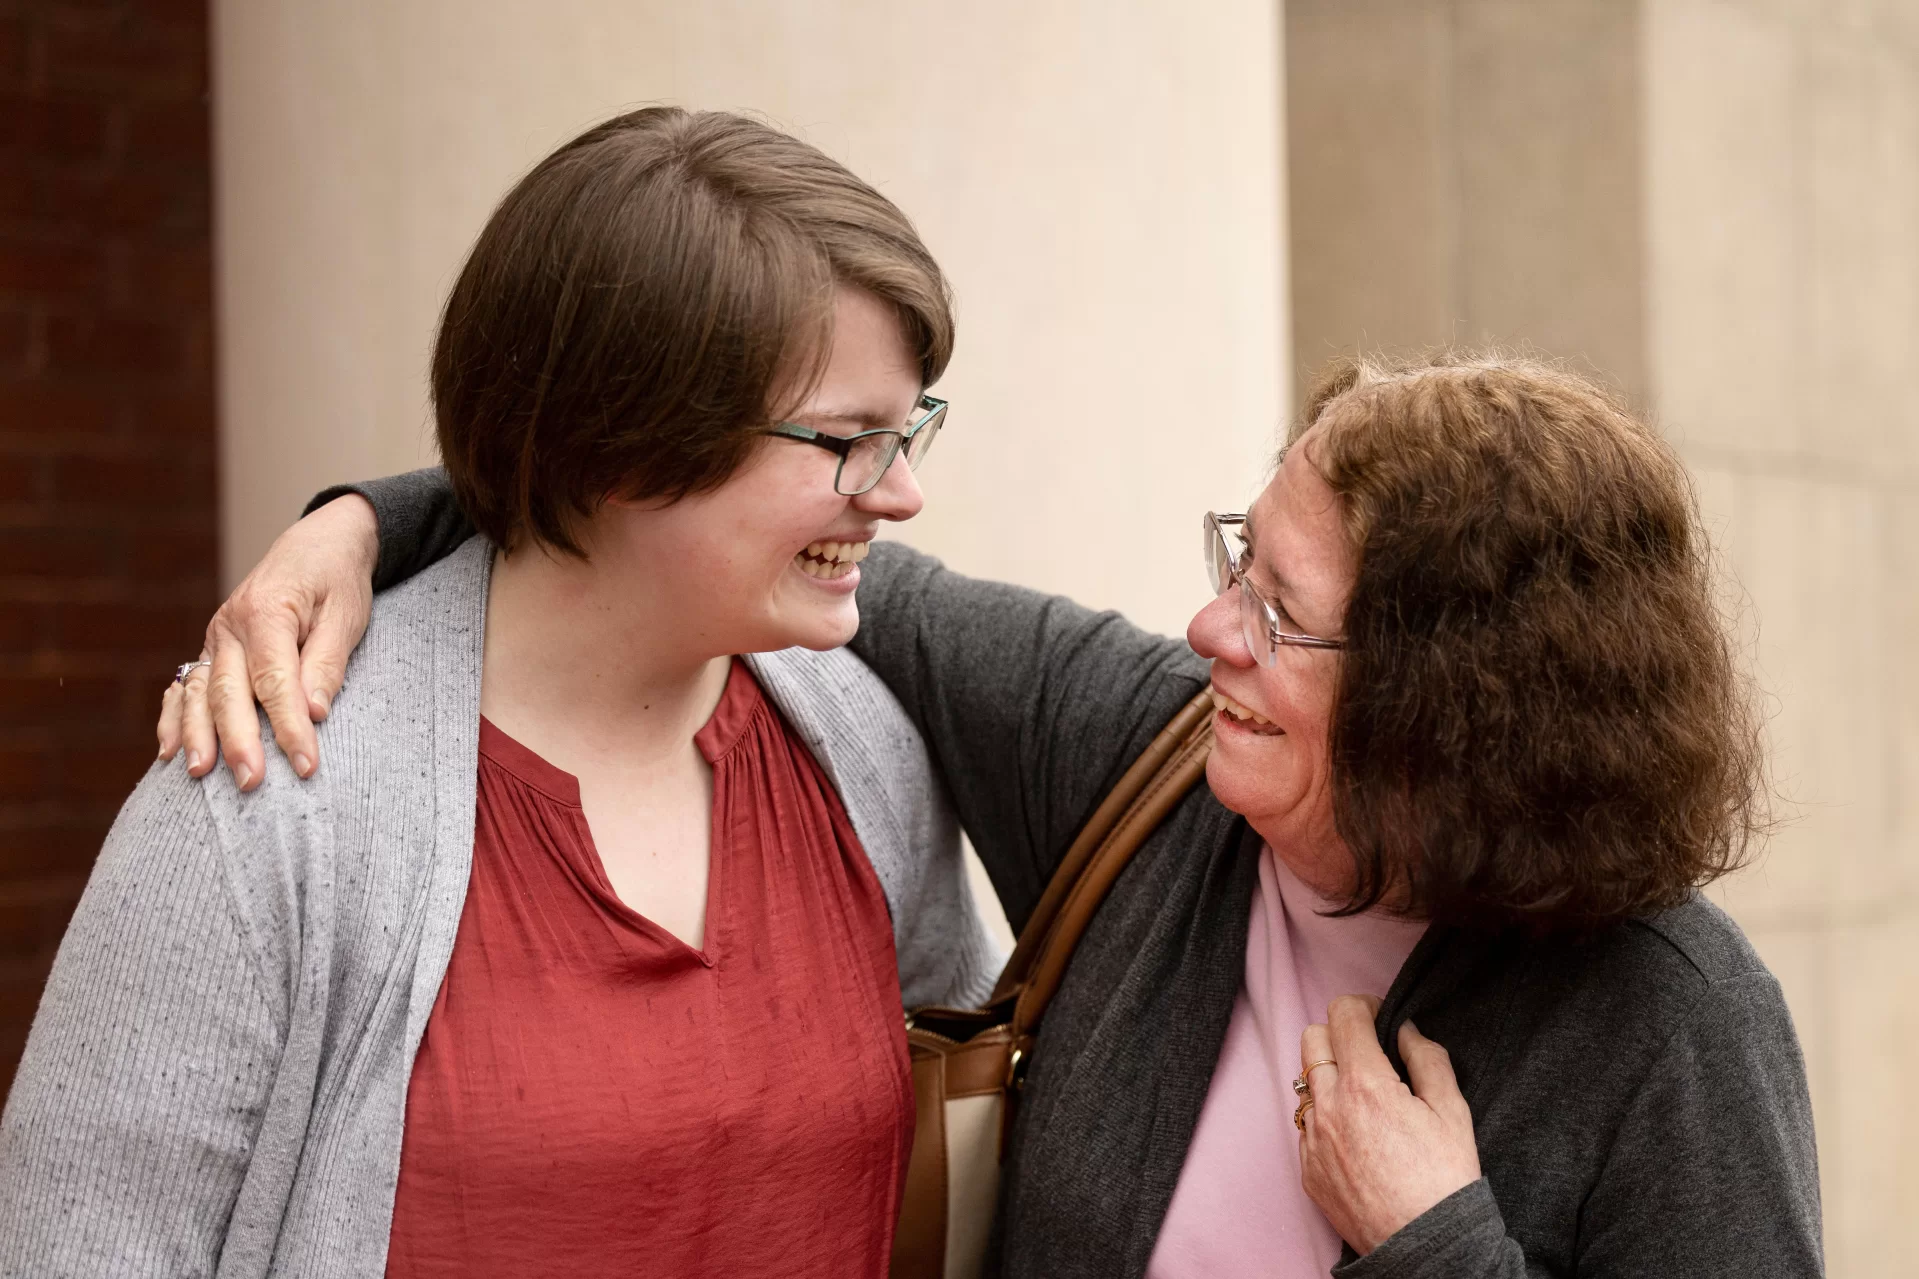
{"x":969,"y":1063}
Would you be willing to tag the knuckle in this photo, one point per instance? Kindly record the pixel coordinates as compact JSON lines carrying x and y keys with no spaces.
{"x":1363,"y":1090}
{"x":224,"y":688}
{"x":225,"y":627}
{"x":272,"y":683}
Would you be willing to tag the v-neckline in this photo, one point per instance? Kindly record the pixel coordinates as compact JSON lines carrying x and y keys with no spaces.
{"x":562,"y":788}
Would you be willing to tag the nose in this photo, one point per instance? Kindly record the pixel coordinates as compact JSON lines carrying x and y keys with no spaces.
{"x":897,"y":496}
{"x":1214,"y":633}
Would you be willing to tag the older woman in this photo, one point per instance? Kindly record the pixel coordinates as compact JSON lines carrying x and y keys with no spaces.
{"x":1422,"y":985}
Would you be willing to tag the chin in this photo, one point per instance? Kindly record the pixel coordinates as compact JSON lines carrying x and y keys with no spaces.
{"x":1241,"y":784}
{"x":827,"y":629}
{"x":1226,"y":782}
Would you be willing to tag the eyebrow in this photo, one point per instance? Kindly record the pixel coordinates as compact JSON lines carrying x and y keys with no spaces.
{"x":871,"y":419}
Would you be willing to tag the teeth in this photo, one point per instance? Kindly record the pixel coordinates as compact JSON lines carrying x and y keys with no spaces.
{"x":832,"y":553}
{"x":1236,"y":710}
{"x":830,"y":560}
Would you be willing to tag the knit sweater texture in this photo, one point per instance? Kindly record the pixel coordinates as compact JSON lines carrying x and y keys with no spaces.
{"x":216,"y":1080}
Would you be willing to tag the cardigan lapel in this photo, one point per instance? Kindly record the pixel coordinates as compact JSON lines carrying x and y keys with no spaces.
{"x":1210,"y":982}
{"x":1446,"y":962}
{"x":456,"y":630}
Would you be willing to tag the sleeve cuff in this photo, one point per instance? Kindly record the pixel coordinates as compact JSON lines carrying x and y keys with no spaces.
{"x":418,"y":519}
{"x":1459,"y":1235}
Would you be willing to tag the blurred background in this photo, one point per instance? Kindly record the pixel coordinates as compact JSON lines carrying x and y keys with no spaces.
{"x":225,"y":235}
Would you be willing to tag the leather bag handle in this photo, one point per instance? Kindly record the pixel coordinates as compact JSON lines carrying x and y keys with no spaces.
{"x":1169,"y":767}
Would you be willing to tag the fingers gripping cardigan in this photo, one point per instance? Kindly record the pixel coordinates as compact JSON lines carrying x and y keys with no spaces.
{"x":216,"y":1080}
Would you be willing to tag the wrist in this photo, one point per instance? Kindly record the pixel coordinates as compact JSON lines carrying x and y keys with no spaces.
{"x":357,"y":525}
{"x":1453,"y":1236}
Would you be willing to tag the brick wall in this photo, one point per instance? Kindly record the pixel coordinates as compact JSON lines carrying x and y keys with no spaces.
{"x":108,"y":521}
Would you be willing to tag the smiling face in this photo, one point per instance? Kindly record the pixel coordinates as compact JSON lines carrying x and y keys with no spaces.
{"x":1278,"y":774}
{"x":769,"y":559}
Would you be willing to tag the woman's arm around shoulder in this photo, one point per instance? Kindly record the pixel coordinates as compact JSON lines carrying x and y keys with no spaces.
{"x":133,"y":1118}
{"x":420,"y":522}
{"x":1031,"y":704}
{"x":286,"y":633}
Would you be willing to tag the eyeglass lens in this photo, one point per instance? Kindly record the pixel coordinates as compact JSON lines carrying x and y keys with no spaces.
{"x":871,"y":455}
{"x":866,"y":461}
{"x":922,"y":441}
{"x":1253,"y":625}
{"x":1218,"y":557}
{"x":1254,"y":629}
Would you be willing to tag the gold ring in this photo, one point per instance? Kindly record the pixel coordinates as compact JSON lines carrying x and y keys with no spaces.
{"x":1302,"y":1087}
{"x":1312,"y":1066}
{"x":1299,"y":1115}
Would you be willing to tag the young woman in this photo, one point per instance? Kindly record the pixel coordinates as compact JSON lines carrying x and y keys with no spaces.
{"x":585,"y":953}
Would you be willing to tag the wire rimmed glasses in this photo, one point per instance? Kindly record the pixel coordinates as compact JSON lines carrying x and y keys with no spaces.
{"x":866,"y":456}
{"x":1258,"y":618}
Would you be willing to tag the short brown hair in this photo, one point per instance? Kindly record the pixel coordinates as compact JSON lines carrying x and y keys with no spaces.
{"x":1540,"y":718}
{"x":638,"y":302}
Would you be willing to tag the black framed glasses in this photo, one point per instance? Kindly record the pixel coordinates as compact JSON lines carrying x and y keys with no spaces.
{"x":865,"y":457}
{"x":1258,"y":618}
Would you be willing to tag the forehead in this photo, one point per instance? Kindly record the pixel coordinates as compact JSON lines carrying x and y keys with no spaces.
{"x":870,"y":372}
{"x":1297,"y":535}
{"x":1297,"y":501}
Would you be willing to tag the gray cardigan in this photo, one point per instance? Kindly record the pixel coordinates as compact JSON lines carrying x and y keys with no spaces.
{"x":1639,"y":1098}
{"x":216,"y":1079}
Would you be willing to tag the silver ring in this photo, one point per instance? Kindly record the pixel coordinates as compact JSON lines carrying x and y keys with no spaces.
{"x":185,"y":669}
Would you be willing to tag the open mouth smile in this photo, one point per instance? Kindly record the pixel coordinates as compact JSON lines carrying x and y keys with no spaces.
{"x":830,"y":561}
{"x":1243,"y":718}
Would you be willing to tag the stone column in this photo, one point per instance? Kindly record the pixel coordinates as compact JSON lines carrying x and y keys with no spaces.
{"x":1782,"y":325}
{"x":1466,"y":170}
{"x":1716,"y":203}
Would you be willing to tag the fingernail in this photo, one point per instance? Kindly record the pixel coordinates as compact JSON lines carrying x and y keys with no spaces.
{"x":242,"y":775}
{"x":322,"y":703}
{"x":301,"y":764}
{"x":193,"y":759}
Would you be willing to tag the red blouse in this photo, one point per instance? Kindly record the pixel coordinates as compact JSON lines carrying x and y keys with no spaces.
{"x":594,"y":1097}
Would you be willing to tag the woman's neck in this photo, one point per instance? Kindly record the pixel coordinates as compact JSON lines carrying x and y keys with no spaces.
{"x":583,"y":658}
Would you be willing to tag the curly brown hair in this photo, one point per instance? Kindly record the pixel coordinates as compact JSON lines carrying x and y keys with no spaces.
{"x":1540,"y":719}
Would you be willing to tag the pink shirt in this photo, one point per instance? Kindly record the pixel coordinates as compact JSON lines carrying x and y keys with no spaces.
{"x":1239,"y":1208}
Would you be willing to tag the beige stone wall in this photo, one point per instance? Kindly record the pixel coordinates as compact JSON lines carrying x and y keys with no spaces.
{"x":1466,"y":170}
{"x":1103,"y":187}
{"x":1782,"y":163}
{"x":1718,"y":204}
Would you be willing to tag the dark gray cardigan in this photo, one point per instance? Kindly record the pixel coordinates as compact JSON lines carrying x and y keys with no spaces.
{"x":1639,"y":1099}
